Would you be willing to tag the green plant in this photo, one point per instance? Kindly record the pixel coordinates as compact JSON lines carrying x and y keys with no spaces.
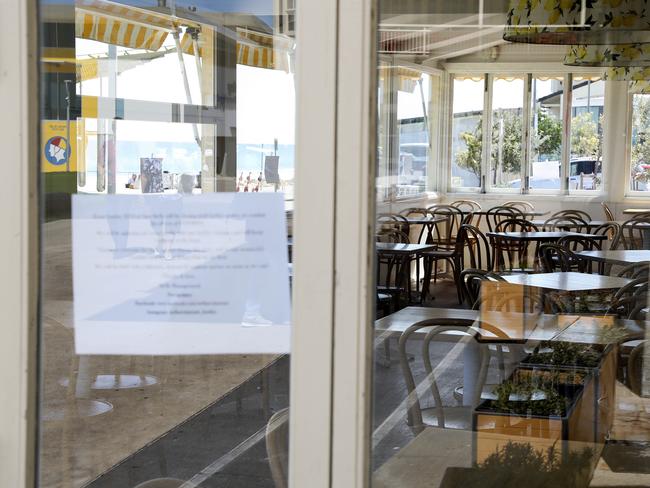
{"x":529,"y":395}
{"x":565,"y":354}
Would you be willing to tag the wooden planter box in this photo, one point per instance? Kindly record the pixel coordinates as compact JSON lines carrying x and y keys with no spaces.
{"x":598,"y":399}
{"x":546,"y":430}
{"x":588,"y":417}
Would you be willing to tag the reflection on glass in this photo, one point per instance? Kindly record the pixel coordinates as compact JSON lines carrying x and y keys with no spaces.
{"x":507,"y":116}
{"x":467,"y":132}
{"x":546,"y":133}
{"x":160,"y":116}
{"x":587,"y":116}
{"x":640,"y":153}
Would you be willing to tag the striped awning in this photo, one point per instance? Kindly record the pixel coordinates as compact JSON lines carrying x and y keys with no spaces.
{"x":122,"y":26}
{"x":407,"y":78}
{"x":255,"y":49}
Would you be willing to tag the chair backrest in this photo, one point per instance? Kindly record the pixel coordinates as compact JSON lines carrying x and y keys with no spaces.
{"x":471,"y":280}
{"x":521,"y":205}
{"x":478,"y":247}
{"x":445,"y":232}
{"x":569,"y":223}
{"x":573,"y":213}
{"x":555,"y":257}
{"x":634,"y":270}
{"x":578,"y":243}
{"x":392,"y":236}
{"x":415,"y":212}
{"x":436,"y":327}
{"x":516,"y":225}
{"x":609,"y":215}
{"x":392,"y":222}
{"x":635,"y":368}
{"x":469,"y":207}
{"x":497,"y":214}
{"x":635,"y":232}
{"x":277,"y":447}
{"x":613,"y":232}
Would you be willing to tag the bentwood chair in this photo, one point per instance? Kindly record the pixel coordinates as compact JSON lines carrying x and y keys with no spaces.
{"x":635,"y":232}
{"x":469,"y":207}
{"x":511,"y":255}
{"x":555,"y":257}
{"x":478,"y":250}
{"x":521,"y":205}
{"x":609,"y":215}
{"x":439,"y":414}
{"x":277,"y":447}
{"x":613,"y":232}
{"x":496,"y":215}
{"x":573,"y":213}
{"x":569,"y":223}
{"x":392,"y":269}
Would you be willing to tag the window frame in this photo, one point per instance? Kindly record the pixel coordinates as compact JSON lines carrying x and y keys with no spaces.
{"x":390,"y":135}
{"x":565,"y":151}
{"x":629,"y":193}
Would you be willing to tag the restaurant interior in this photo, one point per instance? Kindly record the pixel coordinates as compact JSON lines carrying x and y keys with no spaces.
{"x":511,"y":266}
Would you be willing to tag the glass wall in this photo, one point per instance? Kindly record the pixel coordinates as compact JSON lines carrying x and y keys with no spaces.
{"x":467,"y":132}
{"x":639,"y":150}
{"x":507,"y":137}
{"x":511,"y":307}
{"x":547,"y":100}
{"x":167,"y":176}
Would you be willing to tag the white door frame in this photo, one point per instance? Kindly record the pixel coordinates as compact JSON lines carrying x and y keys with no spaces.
{"x":333,"y":244}
{"x":18,"y":241}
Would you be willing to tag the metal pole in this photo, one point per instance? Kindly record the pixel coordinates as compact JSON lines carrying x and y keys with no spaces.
{"x":186,"y":83}
{"x":68,"y":147}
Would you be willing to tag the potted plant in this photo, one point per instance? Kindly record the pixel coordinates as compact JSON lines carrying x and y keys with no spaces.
{"x":593,"y":365}
{"x":516,"y":464}
{"x":544,"y":406}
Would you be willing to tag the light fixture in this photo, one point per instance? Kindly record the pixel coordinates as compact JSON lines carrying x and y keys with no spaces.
{"x":617,"y":55}
{"x":578,"y":21}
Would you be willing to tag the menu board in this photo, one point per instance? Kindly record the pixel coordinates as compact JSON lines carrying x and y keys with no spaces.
{"x":180,"y":274}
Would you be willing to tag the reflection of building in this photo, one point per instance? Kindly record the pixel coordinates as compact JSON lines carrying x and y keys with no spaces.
{"x":98,"y":46}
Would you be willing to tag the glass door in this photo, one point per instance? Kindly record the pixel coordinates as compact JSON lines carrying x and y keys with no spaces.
{"x":167,"y":179}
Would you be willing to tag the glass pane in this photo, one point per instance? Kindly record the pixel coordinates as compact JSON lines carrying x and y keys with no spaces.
{"x":167,"y":179}
{"x":509,"y":345}
{"x":587,"y":117}
{"x":467,"y":133}
{"x":507,"y":117}
{"x":414,"y":134}
{"x":640,"y":153}
{"x":546,"y":142}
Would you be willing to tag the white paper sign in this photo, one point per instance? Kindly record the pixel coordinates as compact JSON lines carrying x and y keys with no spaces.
{"x":180,"y":274}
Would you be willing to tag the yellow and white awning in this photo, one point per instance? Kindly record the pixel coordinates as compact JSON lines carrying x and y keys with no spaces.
{"x":121,"y":26}
{"x":254,"y":49}
{"x":407,"y":78}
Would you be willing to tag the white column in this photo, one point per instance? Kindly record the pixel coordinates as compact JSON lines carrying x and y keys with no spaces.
{"x":18,"y":245}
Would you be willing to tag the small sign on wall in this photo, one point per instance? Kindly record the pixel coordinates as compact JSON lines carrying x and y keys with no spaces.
{"x":57,"y":153}
{"x":180,"y":274}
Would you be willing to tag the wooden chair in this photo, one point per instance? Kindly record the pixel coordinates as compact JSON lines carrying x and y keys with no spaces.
{"x":613,"y":232}
{"x":423,"y":230}
{"x":277,"y":447}
{"x":496,"y":215}
{"x":578,"y":243}
{"x":609,"y":215}
{"x":389,"y":221}
{"x":555,"y":257}
{"x":635,"y":368}
{"x":471,"y":279}
{"x":391,"y":269}
{"x":566,"y":223}
{"x":573,"y":213}
{"x":477,"y":249}
{"x":438,"y":415}
{"x":521,"y":205}
{"x":515,"y":251}
{"x":469,"y":207}
{"x":635,"y":232}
